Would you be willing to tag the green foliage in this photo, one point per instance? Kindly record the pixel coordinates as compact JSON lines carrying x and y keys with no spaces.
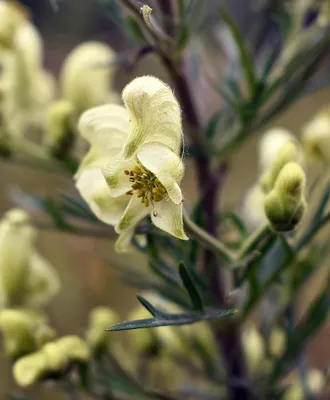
{"x":209,"y":286}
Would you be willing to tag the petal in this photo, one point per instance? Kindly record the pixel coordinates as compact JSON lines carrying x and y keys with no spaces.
{"x":87,"y":74}
{"x":17,"y":240}
{"x":114,"y":174}
{"x":94,"y":190}
{"x":155,"y":114}
{"x":134,"y":213}
{"x":123,"y":243}
{"x":42,"y":282}
{"x":106,"y":127}
{"x":166,"y":165}
{"x":168,"y":217}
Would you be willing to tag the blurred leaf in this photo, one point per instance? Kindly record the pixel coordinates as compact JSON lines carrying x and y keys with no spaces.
{"x":165,"y":319}
{"x":77,"y":207}
{"x":311,"y":322}
{"x":212,"y":125}
{"x":192,"y":290}
{"x":164,"y":272}
{"x":236,"y":221}
{"x":135,"y":30}
{"x":114,"y":12}
{"x":55,"y":213}
{"x":245,"y":59}
{"x":184,"y":36}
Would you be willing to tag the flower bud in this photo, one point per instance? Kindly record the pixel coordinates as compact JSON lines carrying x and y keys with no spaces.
{"x":43,"y":334}
{"x":316,"y":137}
{"x":87,"y":75}
{"x":41,"y":284}
{"x":277,"y":342}
{"x":17,"y":239}
{"x":285,"y":205}
{"x":30,"y":369}
{"x":17,"y":332}
{"x":12,"y":15}
{"x":74,"y":347}
{"x":289,"y":152}
{"x":253,"y":211}
{"x":270,"y":144}
{"x":254,"y":349}
{"x":100,"y":319}
{"x":315,"y":383}
{"x":60,"y":121}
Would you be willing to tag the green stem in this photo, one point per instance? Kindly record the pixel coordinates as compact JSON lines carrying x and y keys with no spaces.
{"x":208,"y":240}
{"x":253,"y":240}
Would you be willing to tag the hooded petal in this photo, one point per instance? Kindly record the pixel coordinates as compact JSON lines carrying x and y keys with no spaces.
{"x":168,"y":217}
{"x":166,"y":165}
{"x":94,"y":190}
{"x":155,"y":114}
{"x":106,"y":127}
{"x":87,"y":75}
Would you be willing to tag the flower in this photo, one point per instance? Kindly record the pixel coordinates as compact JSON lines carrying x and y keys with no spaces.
{"x":26,"y":87}
{"x":315,"y":383}
{"x":252,"y":209}
{"x":133,"y":168}
{"x":59,"y":127}
{"x":12,"y":15}
{"x":26,"y":278}
{"x":270,"y":144}
{"x":87,"y":75}
{"x":316,"y":137}
{"x":100,"y":319}
{"x":285,"y":204}
{"x":54,"y":357}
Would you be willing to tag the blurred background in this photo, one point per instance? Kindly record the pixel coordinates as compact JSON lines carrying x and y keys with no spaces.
{"x":87,"y":280}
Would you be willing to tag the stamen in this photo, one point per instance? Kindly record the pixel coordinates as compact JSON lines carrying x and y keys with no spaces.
{"x":145,"y":185}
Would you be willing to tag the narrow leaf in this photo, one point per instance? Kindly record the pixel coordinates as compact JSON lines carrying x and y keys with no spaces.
{"x":173,"y":319}
{"x":191,"y":288}
{"x":245,"y":59}
{"x":153,"y":311}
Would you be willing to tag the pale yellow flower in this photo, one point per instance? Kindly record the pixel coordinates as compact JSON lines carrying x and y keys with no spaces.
{"x":100,"y":319}
{"x":54,"y":357}
{"x":26,"y":278}
{"x":315,"y":383}
{"x":252,"y":209}
{"x":285,"y":204}
{"x":87,"y":75}
{"x":27,"y":87}
{"x":270,"y":144}
{"x":137,"y":151}
{"x":316,"y":137}
{"x":12,"y":15}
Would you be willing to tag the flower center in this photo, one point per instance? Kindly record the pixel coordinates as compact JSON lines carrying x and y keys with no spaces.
{"x":145,"y":185}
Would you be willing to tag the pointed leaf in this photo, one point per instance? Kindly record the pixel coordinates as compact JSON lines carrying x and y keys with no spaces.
{"x":192,"y":290}
{"x":245,"y":59}
{"x":173,"y":319}
{"x":153,"y":311}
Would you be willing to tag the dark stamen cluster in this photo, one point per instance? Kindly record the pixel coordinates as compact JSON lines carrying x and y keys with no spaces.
{"x":145,"y":185}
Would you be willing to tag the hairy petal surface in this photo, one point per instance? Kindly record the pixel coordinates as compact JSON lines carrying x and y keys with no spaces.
{"x":168,"y":217}
{"x":155,"y":114}
{"x":95,"y":191}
